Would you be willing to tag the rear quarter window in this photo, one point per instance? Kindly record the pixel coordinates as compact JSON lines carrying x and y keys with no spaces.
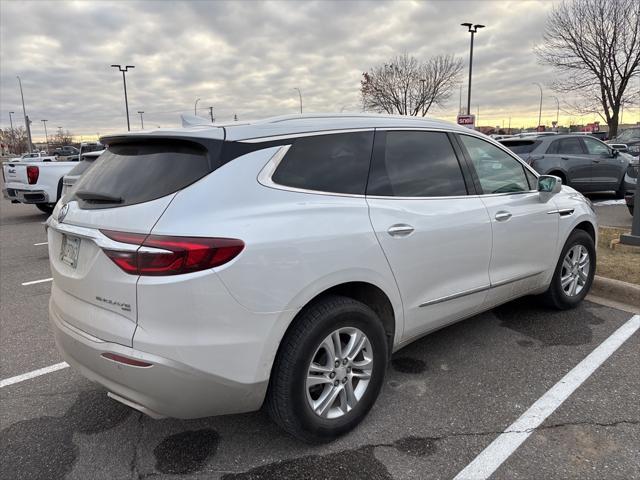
{"x":335,"y":163}
{"x":522,"y":146}
{"x":138,"y":172}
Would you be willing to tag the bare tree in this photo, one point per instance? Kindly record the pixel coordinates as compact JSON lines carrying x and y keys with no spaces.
{"x":407,"y":86}
{"x":595,"y":45}
{"x":61,"y":139}
{"x":15,"y":138}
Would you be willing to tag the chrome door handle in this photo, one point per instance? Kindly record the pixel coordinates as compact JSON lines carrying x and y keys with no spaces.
{"x":503,"y":216}
{"x":564,"y":158}
{"x":400,"y":230}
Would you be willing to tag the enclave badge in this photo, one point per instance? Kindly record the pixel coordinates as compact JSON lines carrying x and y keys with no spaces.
{"x":63,"y":212}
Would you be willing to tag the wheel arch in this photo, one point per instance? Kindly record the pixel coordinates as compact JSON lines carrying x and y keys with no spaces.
{"x":558,"y":172}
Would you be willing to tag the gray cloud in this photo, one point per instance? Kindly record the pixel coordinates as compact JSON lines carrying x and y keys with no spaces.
{"x":245,"y":57}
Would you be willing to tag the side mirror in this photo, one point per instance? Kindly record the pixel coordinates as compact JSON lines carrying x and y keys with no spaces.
{"x":549,"y":184}
{"x":614,"y":153}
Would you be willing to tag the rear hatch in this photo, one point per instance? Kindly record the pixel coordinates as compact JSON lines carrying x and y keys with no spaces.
{"x":104,"y":219}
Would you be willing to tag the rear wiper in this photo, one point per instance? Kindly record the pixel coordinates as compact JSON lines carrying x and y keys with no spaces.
{"x":97,"y":197}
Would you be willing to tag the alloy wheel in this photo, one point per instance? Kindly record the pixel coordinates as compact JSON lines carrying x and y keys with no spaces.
{"x":339,"y":373}
{"x":575,"y":270}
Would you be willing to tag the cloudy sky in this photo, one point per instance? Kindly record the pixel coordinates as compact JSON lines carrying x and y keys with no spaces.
{"x":246,"y":57}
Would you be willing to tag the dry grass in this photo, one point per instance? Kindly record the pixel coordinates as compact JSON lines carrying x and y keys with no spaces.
{"x":615,"y":264}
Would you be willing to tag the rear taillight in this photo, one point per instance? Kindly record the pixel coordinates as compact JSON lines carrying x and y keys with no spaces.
{"x":126,"y":360}
{"x":33,"y":173}
{"x":167,"y":255}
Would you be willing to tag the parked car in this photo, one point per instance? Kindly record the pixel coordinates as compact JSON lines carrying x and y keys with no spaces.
{"x":65,"y":151}
{"x":81,"y":167}
{"x":86,"y":147}
{"x":34,"y":157}
{"x":630,"y":180}
{"x":35,"y":182}
{"x":628,"y":141}
{"x":209,"y":270}
{"x":582,"y":162}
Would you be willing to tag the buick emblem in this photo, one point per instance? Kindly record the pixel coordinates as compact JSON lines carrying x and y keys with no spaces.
{"x":63,"y":212}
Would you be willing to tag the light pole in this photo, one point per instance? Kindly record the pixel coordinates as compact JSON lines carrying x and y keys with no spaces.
{"x":195,"y":107}
{"x":46,"y":137}
{"x":11,"y":130}
{"x":26,"y":118}
{"x":300,"y":96}
{"x":472,"y":30}
{"x":141,"y":119}
{"x":211,"y":113}
{"x":124,"y":82}
{"x":540,"y":111}
{"x":557,"y":113}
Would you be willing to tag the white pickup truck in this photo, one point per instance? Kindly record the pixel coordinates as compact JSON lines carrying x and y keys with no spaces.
{"x":34,"y":157}
{"x":34,"y":182}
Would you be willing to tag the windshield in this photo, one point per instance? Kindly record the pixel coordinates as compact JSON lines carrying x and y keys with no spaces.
{"x":631,"y":134}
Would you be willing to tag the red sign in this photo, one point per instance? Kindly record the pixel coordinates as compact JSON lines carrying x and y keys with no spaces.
{"x":467,"y":120}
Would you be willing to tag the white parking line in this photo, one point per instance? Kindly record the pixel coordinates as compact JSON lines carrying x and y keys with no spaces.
{"x":488,"y":461}
{"x":38,"y":244}
{"x":33,"y":282}
{"x":36,"y":373}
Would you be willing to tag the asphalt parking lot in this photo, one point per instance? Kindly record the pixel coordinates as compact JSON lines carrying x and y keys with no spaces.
{"x":446,"y":398}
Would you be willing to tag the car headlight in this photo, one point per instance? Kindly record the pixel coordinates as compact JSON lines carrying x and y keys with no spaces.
{"x":634,"y":148}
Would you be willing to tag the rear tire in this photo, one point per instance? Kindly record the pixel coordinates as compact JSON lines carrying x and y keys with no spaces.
{"x":46,"y":207}
{"x":295,"y":403}
{"x":571,"y":282}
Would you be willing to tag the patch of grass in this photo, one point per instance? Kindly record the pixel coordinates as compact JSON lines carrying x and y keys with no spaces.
{"x":615,"y":264}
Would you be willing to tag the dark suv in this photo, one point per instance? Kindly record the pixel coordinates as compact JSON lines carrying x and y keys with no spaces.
{"x":582,"y":162}
{"x":628,"y":140}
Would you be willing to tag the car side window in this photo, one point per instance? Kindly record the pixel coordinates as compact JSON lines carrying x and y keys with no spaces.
{"x":566,"y":146}
{"x":416,"y":164}
{"x":594,"y":147}
{"x":497,"y":171}
{"x":336,"y":163}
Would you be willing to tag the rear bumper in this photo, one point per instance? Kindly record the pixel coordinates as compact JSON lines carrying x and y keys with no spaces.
{"x":25,"y":195}
{"x":167,"y":388}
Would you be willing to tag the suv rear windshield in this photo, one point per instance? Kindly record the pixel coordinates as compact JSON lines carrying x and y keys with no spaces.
{"x":521,"y":146}
{"x":136,"y":172}
{"x":82,"y":166}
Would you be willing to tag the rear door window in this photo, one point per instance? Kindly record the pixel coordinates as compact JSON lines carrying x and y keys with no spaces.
{"x":131,"y":173}
{"x":566,"y":146}
{"x":336,"y":163}
{"x":416,"y":164}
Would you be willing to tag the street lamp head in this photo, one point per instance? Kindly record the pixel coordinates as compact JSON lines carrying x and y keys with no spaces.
{"x":469,"y":25}
{"x":478,"y":26}
{"x":129,"y":66}
{"x":116,"y":66}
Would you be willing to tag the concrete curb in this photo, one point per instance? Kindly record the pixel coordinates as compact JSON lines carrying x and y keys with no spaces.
{"x":617,"y":290}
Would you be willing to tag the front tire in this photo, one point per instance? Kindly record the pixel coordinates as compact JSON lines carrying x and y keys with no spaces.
{"x":574,"y":272}
{"x":329,"y":370}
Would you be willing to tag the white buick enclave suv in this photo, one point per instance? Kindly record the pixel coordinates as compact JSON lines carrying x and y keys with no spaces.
{"x":213,"y":269}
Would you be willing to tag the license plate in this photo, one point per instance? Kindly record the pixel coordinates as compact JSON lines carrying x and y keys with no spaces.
{"x":70,"y":250}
